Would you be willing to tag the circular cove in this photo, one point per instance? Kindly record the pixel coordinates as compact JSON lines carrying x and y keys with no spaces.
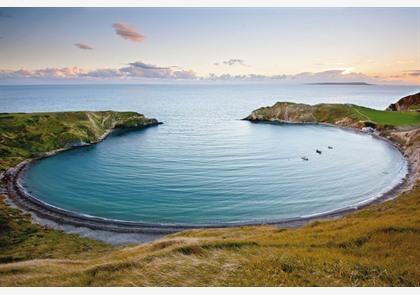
{"x":235,"y":173}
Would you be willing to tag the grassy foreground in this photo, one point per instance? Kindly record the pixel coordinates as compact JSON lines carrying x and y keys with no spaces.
{"x":374,"y":247}
{"x":377,"y":246}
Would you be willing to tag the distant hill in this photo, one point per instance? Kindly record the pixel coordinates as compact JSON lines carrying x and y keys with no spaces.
{"x":341,"y":83}
{"x":407,"y":103}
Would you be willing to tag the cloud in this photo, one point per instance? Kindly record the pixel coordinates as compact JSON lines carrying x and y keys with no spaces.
{"x":83,"y":46}
{"x":134,"y":70}
{"x":55,"y":73}
{"x":232,"y":62}
{"x":413,"y":73}
{"x":339,"y":75}
{"x":336,"y":75}
{"x":102,"y":74}
{"x":248,"y":77}
{"x":142,"y":65}
{"x":141,"y":71}
{"x":127,"y":32}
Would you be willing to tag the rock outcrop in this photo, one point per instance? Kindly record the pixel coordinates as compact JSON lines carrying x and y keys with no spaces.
{"x":409,"y":141}
{"x":337,"y":114}
{"x":407,"y":103}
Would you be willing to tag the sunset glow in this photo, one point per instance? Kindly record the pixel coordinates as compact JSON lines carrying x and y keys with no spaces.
{"x":280,"y":45}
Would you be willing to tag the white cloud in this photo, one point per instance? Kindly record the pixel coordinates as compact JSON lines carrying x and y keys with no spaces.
{"x":133,"y":70}
{"x":143,"y":71}
{"x":232,"y":62}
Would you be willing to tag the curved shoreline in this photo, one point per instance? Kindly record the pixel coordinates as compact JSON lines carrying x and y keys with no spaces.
{"x":29,"y":203}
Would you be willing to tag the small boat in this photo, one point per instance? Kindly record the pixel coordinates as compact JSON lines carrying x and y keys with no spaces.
{"x":330,"y":147}
{"x":319,"y":152}
{"x":305,"y":158}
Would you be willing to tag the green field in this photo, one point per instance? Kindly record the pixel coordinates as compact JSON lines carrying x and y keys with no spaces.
{"x":389,"y":118}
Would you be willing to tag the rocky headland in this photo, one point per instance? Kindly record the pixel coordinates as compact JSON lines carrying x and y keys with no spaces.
{"x":407,"y":103}
{"x":402,"y":128}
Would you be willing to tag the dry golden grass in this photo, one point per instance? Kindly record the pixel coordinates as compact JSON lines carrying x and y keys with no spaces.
{"x":378,"y":246}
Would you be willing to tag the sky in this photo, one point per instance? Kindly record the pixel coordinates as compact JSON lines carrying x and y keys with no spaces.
{"x":276,"y":45}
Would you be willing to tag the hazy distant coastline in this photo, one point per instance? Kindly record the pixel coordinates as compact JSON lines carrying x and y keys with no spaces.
{"x":340,"y":83}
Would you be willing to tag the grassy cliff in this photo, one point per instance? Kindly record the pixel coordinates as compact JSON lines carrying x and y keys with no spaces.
{"x":377,"y":246}
{"x":338,"y":114}
{"x":29,"y":135}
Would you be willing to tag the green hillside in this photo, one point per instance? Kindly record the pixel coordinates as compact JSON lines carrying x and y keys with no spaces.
{"x":338,"y":114}
{"x":28,"y":135}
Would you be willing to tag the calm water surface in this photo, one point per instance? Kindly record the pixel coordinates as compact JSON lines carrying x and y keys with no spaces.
{"x":204,"y":166}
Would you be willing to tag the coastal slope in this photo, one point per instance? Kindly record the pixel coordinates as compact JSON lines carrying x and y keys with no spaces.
{"x":25,"y":136}
{"x":376,"y":246}
{"x":346,"y":115}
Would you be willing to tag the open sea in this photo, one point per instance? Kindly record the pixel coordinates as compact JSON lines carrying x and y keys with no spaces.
{"x":204,"y":165}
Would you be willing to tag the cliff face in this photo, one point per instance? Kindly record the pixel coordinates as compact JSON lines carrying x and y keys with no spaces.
{"x":407,"y":103}
{"x":29,"y":135}
{"x":409,"y":141}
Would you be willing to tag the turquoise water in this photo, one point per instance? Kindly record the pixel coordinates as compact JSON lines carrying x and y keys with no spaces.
{"x":204,"y":166}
